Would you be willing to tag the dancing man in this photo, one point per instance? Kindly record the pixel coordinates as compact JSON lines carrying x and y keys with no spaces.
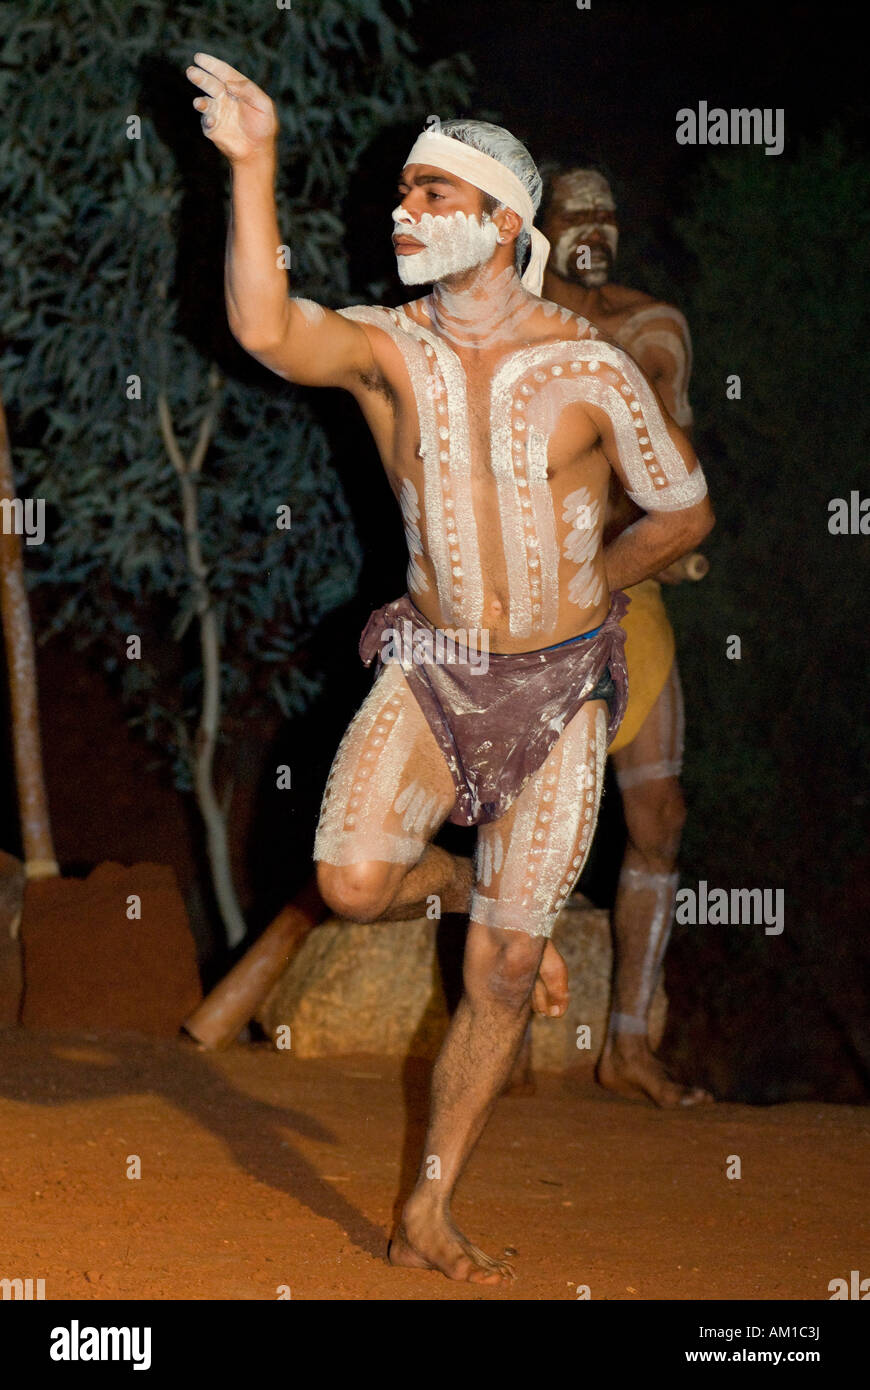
{"x":499,"y":419}
{"x":578,"y":215}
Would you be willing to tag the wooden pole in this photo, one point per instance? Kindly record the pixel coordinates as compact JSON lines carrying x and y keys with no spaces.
{"x":39,"y":856}
{"x":223,"y":1014}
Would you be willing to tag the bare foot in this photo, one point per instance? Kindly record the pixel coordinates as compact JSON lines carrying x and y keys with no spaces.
{"x":433,"y":1242}
{"x":550,"y":994}
{"x":637,"y":1074}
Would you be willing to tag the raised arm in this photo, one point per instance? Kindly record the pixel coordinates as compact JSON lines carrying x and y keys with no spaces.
{"x":299,"y":340}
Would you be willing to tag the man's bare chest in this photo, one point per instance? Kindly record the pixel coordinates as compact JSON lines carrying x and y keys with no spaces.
{"x":508,"y":413}
{"x":497,"y":409}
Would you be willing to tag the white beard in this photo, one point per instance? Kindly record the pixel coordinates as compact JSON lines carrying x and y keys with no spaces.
{"x":452,"y":245}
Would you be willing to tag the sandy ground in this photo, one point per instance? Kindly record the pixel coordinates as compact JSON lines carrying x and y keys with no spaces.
{"x":260,"y":1171}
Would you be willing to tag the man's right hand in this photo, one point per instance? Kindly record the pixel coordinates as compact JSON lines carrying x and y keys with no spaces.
{"x":237,"y":116}
{"x":312,"y":345}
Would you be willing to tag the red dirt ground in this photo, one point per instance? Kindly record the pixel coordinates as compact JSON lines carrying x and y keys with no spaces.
{"x":258,"y":1170}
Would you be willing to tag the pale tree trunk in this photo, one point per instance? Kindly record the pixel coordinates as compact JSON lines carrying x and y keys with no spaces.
{"x":39,"y":857}
{"x":214,"y":815}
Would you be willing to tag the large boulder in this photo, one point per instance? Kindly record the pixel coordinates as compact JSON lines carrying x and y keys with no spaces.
{"x":379,"y":988}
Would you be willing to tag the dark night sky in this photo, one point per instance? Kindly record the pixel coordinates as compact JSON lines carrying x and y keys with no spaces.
{"x":604,"y":84}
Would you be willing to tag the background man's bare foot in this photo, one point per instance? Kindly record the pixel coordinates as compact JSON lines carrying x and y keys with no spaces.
{"x":551,"y":993}
{"x":435,"y":1243}
{"x":634,"y":1072}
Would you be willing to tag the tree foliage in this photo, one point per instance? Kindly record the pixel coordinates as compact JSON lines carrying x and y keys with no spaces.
{"x":779,"y":740}
{"x":112,"y":251}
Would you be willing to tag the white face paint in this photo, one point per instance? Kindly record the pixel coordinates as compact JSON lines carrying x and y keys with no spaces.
{"x":584,"y":188}
{"x":566,"y":259}
{"x":452,"y":245}
{"x":585,"y":195}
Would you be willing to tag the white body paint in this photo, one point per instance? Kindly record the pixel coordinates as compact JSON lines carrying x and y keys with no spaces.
{"x":386,"y":791}
{"x":377,"y":765}
{"x":564,"y":254}
{"x":580,"y":545}
{"x":418,"y":808}
{"x":550,"y":830}
{"x":529,"y":390}
{"x":408,"y":501}
{"x":311,"y":312}
{"x":668,"y":730}
{"x":660,"y":756}
{"x":661,"y":325}
{"x":489,"y":857}
{"x":382,"y":803}
{"x":484,"y":315}
{"x":663,"y":887}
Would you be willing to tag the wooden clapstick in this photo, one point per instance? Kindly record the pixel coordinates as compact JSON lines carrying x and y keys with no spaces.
{"x":693,"y":566}
{"x":223,"y":1014}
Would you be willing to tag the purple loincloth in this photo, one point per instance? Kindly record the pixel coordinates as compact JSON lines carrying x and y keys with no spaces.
{"x":496,"y":727}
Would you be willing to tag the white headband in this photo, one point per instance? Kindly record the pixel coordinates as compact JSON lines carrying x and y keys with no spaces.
{"x":490,"y":176}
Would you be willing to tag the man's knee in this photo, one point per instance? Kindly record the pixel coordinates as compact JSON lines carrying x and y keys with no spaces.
{"x":655,"y":813}
{"x":501,"y":965}
{"x":360,"y":892}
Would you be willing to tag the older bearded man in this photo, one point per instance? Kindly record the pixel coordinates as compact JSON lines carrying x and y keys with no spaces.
{"x":499,"y":419}
{"x":579,"y":214}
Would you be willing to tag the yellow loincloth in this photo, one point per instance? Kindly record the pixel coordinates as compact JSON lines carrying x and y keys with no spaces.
{"x":649,"y":654}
